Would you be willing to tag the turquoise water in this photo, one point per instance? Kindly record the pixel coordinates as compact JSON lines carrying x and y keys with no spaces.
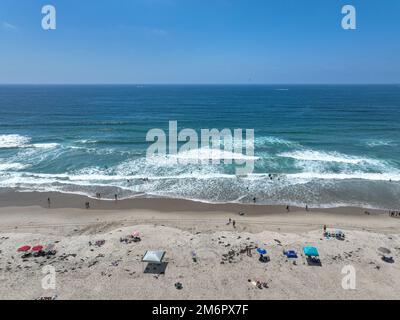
{"x":324,"y":145}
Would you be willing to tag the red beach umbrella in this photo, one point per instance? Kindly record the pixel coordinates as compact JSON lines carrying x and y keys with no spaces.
{"x":24,"y":248}
{"x":37,"y":248}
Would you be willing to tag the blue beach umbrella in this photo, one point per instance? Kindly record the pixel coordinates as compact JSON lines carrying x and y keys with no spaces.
{"x":291,"y":254}
{"x":311,"y":251}
{"x":261,"y":251}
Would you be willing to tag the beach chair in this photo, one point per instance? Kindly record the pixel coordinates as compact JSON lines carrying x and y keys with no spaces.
{"x":340,"y":235}
{"x":388,"y":259}
{"x":50,"y":250}
{"x":291,"y":254}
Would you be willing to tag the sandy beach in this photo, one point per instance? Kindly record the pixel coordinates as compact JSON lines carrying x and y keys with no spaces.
{"x":209,"y":154}
{"x":223,"y":270}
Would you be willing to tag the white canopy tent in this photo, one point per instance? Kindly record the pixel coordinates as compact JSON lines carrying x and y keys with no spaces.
{"x":154,"y":256}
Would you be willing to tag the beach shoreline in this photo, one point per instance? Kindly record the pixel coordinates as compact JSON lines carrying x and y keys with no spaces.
{"x":64,"y":206}
{"x":13,"y":198}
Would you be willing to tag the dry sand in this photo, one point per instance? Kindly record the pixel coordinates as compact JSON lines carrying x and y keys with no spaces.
{"x":223,"y":269}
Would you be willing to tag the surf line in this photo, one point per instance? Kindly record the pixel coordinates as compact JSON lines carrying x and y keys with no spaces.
{"x":206,"y":149}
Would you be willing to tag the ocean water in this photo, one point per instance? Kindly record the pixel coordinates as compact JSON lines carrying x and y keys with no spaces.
{"x":324,"y":145}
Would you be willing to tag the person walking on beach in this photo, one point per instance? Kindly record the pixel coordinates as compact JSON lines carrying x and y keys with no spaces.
{"x":248,"y":251}
{"x":48,"y":202}
{"x":306,"y":207}
{"x":116,"y":197}
{"x":234,"y":223}
{"x":287,"y":208}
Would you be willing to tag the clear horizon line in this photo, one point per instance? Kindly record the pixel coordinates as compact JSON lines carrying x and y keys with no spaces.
{"x":195,"y":84}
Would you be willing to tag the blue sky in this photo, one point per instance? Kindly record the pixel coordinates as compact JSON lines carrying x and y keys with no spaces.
{"x":200,"y":41}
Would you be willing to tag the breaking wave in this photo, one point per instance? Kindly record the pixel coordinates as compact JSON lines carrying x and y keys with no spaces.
{"x":310,"y":155}
{"x":285,"y":172}
{"x":11,"y":141}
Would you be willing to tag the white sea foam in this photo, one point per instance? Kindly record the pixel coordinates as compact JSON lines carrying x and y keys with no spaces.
{"x":44,"y":145}
{"x":18,"y":141}
{"x":311,"y":155}
{"x":85,"y":141}
{"x":346,"y":176}
{"x":13,"y":141}
{"x":12,"y":166}
{"x":272,"y":141}
{"x":99,"y":176}
{"x":202,"y":187}
{"x":379,"y":143}
{"x":211,"y":154}
{"x":192,"y":159}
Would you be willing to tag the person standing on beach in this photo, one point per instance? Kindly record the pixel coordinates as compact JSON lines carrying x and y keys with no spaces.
{"x":248,"y":251}
{"x":48,"y":202}
{"x":287,"y":208}
{"x":234,"y":223}
{"x":306,"y":207}
{"x":116,"y":197}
